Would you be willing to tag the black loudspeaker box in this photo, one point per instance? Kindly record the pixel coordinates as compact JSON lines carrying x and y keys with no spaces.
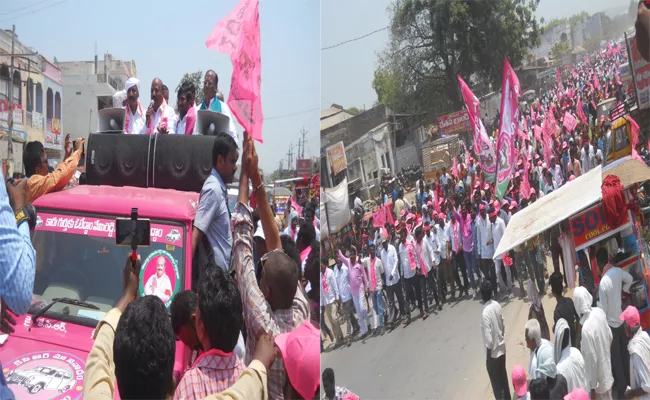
{"x":182,"y":162}
{"x":119,"y":160}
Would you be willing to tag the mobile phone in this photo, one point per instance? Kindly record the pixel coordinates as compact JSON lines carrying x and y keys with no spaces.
{"x":127,"y":230}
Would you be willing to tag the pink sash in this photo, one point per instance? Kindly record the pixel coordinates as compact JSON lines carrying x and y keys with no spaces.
{"x":128,"y":116}
{"x":373,"y":276}
{"x":190,"y":121}
{"x":163,"y":119}
{"x":326,"y":288}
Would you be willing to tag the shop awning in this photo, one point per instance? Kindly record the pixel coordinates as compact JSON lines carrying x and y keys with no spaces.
{"x":552,"y":209}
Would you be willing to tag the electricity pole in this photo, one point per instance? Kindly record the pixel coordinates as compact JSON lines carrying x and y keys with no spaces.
{"x":10,"y":121}
{"x":290,"y":156}
{"x":304,"y":141}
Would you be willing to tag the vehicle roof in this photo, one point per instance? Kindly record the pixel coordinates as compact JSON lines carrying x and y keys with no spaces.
{"x":154,"y":203}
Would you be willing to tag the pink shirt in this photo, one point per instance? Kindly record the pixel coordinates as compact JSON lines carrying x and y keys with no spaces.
{"x":356,"y":274}
{"x":466,"y":231}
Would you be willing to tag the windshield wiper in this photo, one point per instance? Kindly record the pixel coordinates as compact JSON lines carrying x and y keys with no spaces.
{"x":64,"y":300}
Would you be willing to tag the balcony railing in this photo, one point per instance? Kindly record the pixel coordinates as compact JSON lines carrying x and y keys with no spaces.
{"x":103,"y":78}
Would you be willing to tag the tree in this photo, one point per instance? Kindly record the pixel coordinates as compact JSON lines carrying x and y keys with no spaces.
{"x":354,"y":111}
{"x":432,"y":41}
{"x":196,"y":78}
{"x":560,"y":49}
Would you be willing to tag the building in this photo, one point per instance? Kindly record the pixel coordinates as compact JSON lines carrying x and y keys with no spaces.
{"x":31,"y":103}
{"x":89,"y":87}
{"x":53,"y":92}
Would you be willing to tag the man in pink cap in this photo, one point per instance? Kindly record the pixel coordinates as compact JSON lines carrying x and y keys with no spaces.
{"x":519,"y":382}
{"x":639,"y":348}
{"x":299,"y":349}
{"x":577,"y":394}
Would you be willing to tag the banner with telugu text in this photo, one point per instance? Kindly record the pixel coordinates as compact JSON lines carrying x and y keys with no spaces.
{"x":238,"y":35}
{"x":482,"y":143}
{"x":506,"y":151}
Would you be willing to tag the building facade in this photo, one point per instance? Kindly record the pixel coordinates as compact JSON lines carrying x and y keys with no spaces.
{"x":89,"y":87}
{"x":53,"y":91}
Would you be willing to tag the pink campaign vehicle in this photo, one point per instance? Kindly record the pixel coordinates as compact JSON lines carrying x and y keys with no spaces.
{"x":79,"y":264}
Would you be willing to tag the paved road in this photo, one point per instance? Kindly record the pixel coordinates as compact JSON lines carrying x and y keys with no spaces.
{"x":440,"y":358}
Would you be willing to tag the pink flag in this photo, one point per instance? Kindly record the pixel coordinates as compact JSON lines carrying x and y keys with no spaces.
{"x":506,"y":151}
{"x":482,"y":143}
{"x":454,"y":168}
{"x":525,"y":184}
{"x":379,"y":218}
{"x":587,"y":60}
{"x":559,"y":80}
{"x":537,"y":131}
{"x":635,"y":138}
{"x":295,"y":205}
{"x":238,"y":35}
{"x":581,"y":112}
{"x":569,"y":121}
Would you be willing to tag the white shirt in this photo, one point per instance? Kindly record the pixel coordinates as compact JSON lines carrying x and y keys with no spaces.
{"x":557,"y":175}
{"x":433,"y":244}
{"x":427,"y":254}
{"x":332,"y":294}
{"x":483,"y":235}
{"x":540,"y":356}
{"x":572,"y":367}
{"x":164,"y":111}
{"x":407,"y":271}
{"x":343,"y":282}
{"x":492,"y":328}
{"x":358,"y":203}
{"x":595,"y":347}
{"x":159,"y":287}
{"x":640,"y":363}
{"x":137,"y":121}
{"x":609,"y":293}
{"x":586,"y":158}
{"x":443,"y":236}
{"x":180,"y":125}
{"x":389,"y":261}
{"x":226,"y":111}
{"x":498,"y":229}
{"x":379,"y":269}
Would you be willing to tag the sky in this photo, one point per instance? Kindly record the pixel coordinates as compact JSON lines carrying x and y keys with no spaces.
{"x":168,"y":40}
{"x":348,"y":69}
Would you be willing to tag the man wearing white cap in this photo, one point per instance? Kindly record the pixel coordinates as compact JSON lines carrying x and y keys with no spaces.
{"x":135,"y":123}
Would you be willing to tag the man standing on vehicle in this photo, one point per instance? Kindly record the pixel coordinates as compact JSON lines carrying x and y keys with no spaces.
{"x":39,"y":180}
{"x":161,"y":118}
{"x":186,"y":109}
{"x":213,"y":103}
{"x":213,"y":215}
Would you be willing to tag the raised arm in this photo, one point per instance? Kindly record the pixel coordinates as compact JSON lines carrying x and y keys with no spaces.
{"x":344,"y":259}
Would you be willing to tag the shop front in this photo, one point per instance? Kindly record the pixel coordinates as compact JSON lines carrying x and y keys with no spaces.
{"x":12,"y":163}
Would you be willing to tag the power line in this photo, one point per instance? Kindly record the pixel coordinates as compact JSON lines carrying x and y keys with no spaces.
{"x":33,"y":11}
{"x":291,"y":115}
{"x":355,"y":39}
{"x":23,"y":8}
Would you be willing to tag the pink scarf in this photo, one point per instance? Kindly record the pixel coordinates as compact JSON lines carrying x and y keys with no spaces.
{"x":326,"y":288}
{"x":128,"y":116}
{"x":305,"y":253}
{"x":190,"y":120}
{"x":412,"y":249}
{"x":373,"y":275}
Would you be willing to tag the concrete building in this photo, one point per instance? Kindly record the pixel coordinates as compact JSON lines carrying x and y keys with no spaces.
{"x":53,"y":91}
{"x":89,"y":87}
{"x":29,"y":100}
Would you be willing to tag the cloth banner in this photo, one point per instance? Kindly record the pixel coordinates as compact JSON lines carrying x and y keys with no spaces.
{"x":238,"y":35}
{"x":506,"y":151}
{"x":383,"y":215}
{"x":335,"y":207}
{"x":570,"y":121}
{"x":482,"y":143}
{"x":295,"y":205}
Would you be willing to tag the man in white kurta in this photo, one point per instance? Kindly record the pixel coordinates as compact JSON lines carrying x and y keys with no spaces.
{"x":135,"y":122}
{"x":161,"y":118}
{"x":329,"y":295}
{"x":374,"y":269}
{"x":639,"y":348}
{"x":569,"y":360}
{"x":595,"y":345}
{"x":159,"y":284}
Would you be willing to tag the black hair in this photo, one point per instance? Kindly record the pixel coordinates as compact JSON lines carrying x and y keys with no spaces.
{"x":619,"y":257}
{"x":144,"y":350}
{"x":556,"y":281}
{"x":32,"y":157}
{"x":602,"y":257}
{"x":312,"y":271}
{"x":539,"y":389}
{"x":566,"y":338}
{"x":164,"y":87}
{"x":256,"y":217}
{"x":328,"y":375}
{"x":221,"y":309}
{"x":291,"y":249}
{"x":486,"y":290}
{"x":187,"y":87}
{"x":223,"y":145}
{"x":216,"y":78}
{"x":282,"y":277}
{"x":183,"y":306}
{"x":306,"y":234}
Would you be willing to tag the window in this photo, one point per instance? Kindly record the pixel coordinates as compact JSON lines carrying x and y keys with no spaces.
{"x":17,"y":93}
{"x":383,"y":161}
{"x":57,"y":105}
{"x":4,"y":82}
{"x":30,"y":95}
{"x":50,"y":104}
{"x":39,"y":98}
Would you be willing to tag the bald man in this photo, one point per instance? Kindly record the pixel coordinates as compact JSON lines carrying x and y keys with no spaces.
{"x":159,"y":284}
{"x":161,"y":118}
{"x":213,"y":103}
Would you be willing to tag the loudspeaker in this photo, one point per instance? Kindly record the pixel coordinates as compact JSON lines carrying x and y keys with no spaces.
{"x":211,"y":123}
{"x":119,"y":160}
{"x":111,"y":120}
{"x":182,"y":162}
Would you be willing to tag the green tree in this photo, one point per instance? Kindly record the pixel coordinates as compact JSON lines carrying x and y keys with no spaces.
{"x":432,"y":41}
{"x":354,"y":111}
{"x":197,"y":79}
{"x":560,"y":49}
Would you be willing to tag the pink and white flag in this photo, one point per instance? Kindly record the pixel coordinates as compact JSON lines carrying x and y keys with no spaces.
{"x":506,"y":151}
{"x":238,"y":35}
{"x":569,"y":121}
{"x":581,"y":112}
{"x":482,"y":143}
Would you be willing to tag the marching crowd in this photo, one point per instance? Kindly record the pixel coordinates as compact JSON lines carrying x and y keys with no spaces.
{"x":439,"y":247}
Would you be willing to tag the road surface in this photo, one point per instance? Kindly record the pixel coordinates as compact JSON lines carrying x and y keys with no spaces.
{"x":440,"y":358}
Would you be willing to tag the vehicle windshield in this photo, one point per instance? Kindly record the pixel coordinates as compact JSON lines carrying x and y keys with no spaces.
{"x":77,"y":258}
